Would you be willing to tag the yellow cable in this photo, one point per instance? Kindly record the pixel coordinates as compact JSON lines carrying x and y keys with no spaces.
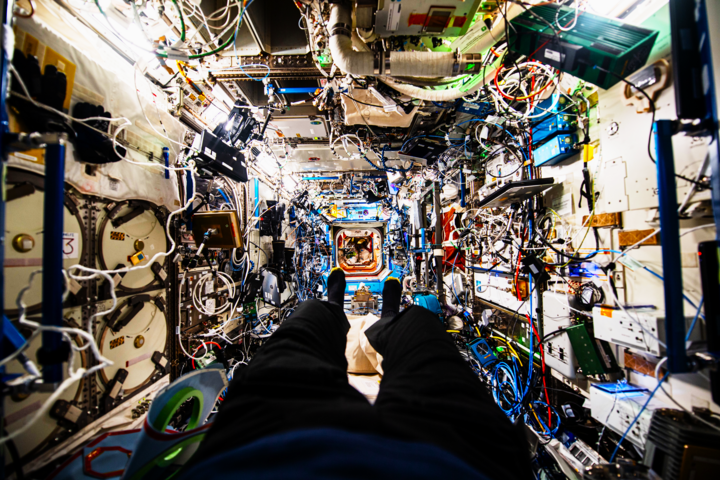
{"x":590,"y":220}
{"x":536,"y":418}
{"x":182,"y":72}
{"x":510,"y":347}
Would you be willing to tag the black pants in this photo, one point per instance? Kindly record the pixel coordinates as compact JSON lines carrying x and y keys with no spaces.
{"x":428,"y":393}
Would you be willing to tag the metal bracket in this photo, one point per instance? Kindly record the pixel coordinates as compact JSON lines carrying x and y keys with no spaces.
{"x":19,"y":142}
{"x":90,"y":393}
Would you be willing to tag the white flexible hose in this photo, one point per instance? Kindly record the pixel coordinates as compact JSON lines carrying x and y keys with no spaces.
{"x":409,"y":64}
{"x":433,"y":95}
{"x":477,"y":39}
{"x":347,"y":60}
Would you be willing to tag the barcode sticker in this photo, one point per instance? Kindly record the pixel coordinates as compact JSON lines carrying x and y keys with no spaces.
{"x":210,"y":306}
{"x":553,"y":55}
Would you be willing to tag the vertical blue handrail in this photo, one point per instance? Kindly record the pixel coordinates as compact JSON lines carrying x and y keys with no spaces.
{"x":53,"y":244}
{"x":166,"y":159}
{"x":677,"y":361}
{"x":4,"y":87}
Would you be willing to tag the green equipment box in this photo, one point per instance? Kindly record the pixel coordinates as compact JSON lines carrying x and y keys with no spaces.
{"x":618,"y":49}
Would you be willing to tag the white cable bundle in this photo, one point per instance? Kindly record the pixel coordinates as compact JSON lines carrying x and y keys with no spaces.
{"x":197,"y":301}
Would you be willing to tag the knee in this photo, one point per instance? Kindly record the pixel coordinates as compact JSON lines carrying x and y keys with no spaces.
{"x":309,"y":307}
{"x":416,"y":313}
{"x":320,"y":312}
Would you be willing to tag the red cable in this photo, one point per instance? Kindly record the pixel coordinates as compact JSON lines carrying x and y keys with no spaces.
{"x":517,"y":272}
{"x":542,"y":350}
{"x":517,"y":269}
{"x":497,"y":73}
{"x":536,"y":50}
{"x":529,"y":58}
{"x":530,"y":132}
{"x":198,"y":348}
{"x":546,"y":42}
{"x":542,"y":357}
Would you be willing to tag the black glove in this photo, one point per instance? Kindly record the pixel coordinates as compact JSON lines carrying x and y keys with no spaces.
{"x":92,"y":146}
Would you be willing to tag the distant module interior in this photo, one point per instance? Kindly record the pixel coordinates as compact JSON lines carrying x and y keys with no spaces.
{"x":358,"y":251}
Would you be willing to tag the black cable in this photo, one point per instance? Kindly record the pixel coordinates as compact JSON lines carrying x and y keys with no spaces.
{"x":552,"y":334}
{"x":571,"y":258}
{"x":652,"y":124}
{"x":507,"y":35}
{"x":520,"y":161}
{"x":267,"y":257}
{"x":171,"y":79}
{"x":516,"y":315}
{"x":538,"y":17}
{"x":362,"y":103}
{"x":15,"y":455}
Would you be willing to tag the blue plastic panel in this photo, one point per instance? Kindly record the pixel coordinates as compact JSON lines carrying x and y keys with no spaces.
{"x":360,"y":213}
{"x":428,"y":301}
{"x":556,"y":150}
{"x":554,"y":125}
{"x":480,"y":109}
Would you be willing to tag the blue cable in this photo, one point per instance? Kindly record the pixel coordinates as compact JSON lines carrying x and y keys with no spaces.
{"x":684,"y":296}
{"x":227,"y":200}
{"x":697,"y":314}
{"x":440,"y":136}
{"x":551,"y":431}
{"x":513,"y":374}
{"x":531,"y":357}
{"x":500,"y":127}
{"x":603,"y":251}
{"x":502,"y":366}
{"x":392,"y":169}
{"x":373,"y":165}
{"x":638,"y":416}
{"x":426,"y":136}
{"x":235,"y":35}
{"x":242,"y":69}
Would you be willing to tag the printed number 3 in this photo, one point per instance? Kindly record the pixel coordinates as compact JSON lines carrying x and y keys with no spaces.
{"x":69,"y":248}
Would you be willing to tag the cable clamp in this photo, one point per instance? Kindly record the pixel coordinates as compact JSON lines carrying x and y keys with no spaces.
{"x":340,"y":29}
{"x":381,"y":63}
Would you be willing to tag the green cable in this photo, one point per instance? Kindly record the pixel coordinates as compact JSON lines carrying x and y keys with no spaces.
{"x":182,"y":21}
{"x":97,"y":2}
{"x":182,"y":35}
{"x":201,"y":55}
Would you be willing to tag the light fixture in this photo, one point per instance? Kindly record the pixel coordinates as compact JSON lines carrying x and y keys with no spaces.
{"x":608,"y":8}
{"x":289,"y":182}
{"x":222,"y":97}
